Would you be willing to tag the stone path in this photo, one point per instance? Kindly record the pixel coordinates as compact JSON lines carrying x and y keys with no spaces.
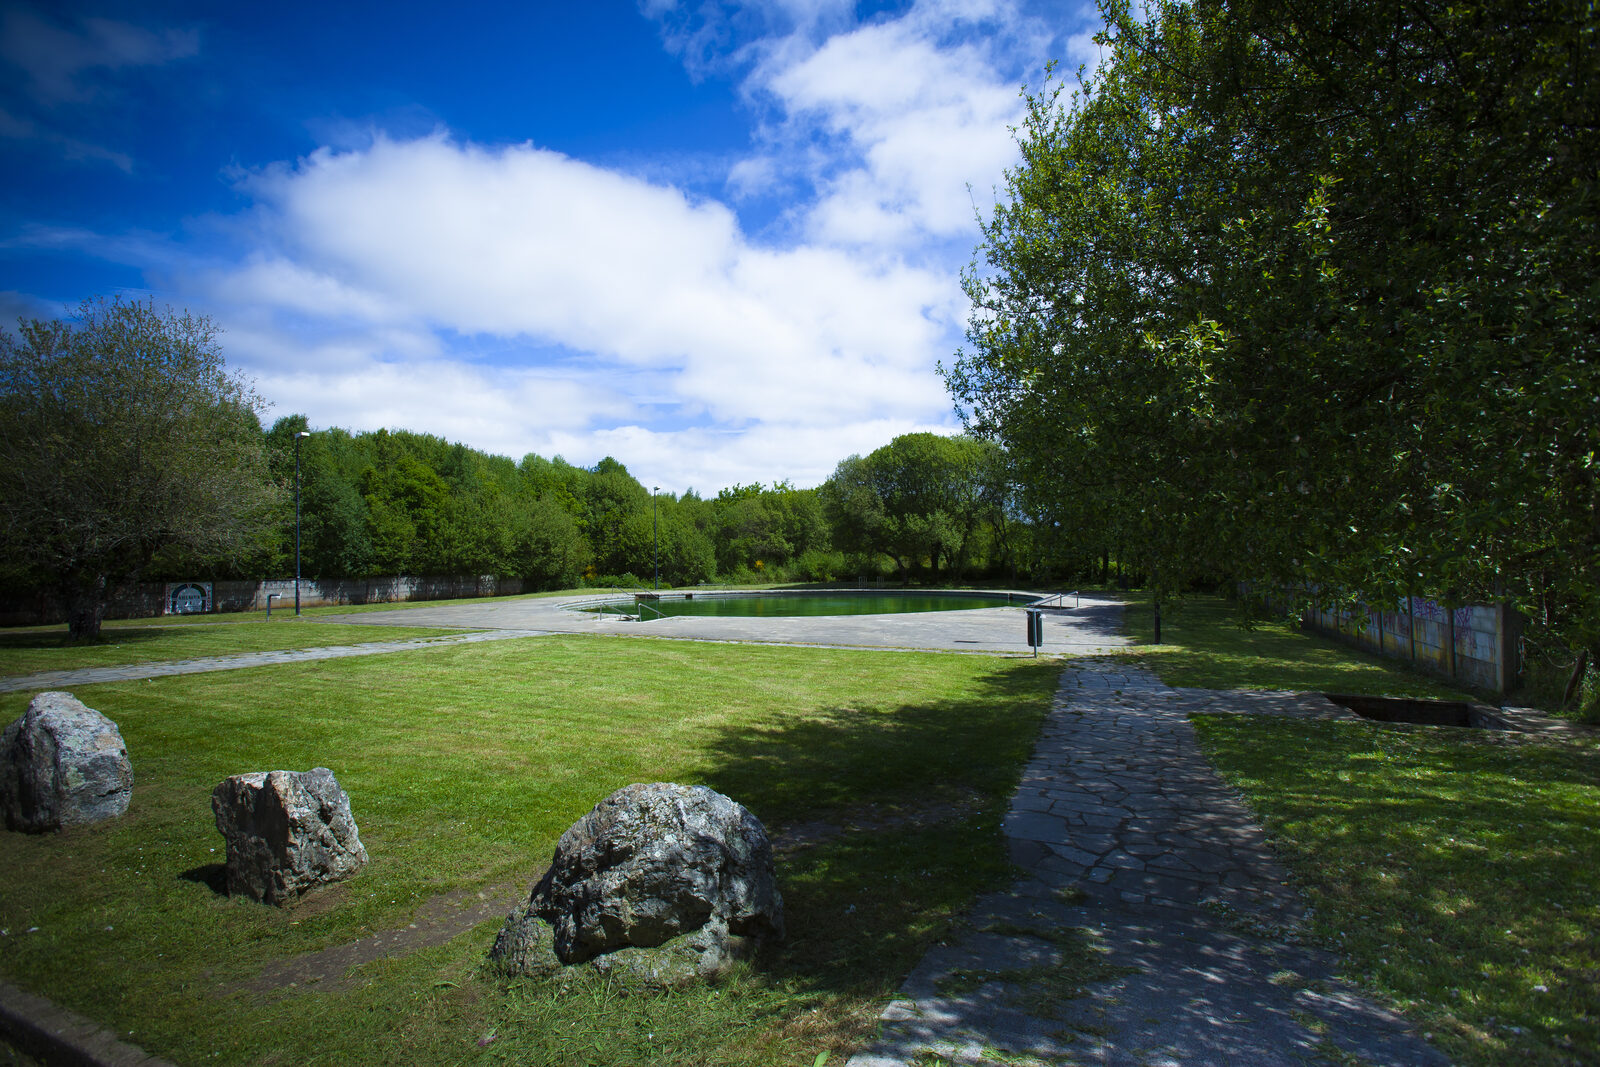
{"x":136,"y":671}
{"x":1153,"y":926}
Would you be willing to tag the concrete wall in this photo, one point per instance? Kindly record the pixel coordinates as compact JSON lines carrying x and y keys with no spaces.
{"x":149,"y":599}
{"x":1475,"y":645}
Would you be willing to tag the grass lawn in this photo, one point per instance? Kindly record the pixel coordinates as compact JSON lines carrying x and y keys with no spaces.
{"x":464,"y":765}
{"x":1204,"y":646}
{"x":29,"y":650}
{"x":1457,"y":872}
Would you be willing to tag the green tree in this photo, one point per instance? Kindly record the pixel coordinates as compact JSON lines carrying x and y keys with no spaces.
{"x":124,"y":436}
{"x":334,"y":519}
{"x":552,"y":553}
{"x":610,"y":498}
{"x":1311,"y":286}
{"x":917,"y":500}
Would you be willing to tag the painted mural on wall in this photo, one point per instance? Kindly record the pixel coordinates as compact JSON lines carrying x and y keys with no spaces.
{"x":188,"y":598}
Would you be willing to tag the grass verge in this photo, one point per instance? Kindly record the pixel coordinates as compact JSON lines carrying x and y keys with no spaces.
{"x":1457,"y":872}
{"x":464,"y":765}
{"x":1205,"y":645}
{"x":41,"y":648}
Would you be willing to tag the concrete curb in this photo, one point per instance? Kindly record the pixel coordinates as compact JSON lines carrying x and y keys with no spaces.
{"x":54,"y":1035}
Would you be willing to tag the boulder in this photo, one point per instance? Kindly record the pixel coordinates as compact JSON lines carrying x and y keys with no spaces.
{"x":664,"y":881}
{"x":286,"y":832}
{"x":62,"y":764}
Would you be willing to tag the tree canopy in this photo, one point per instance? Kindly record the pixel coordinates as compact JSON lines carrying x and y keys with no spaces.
{"x":1304,"y":293}
{"x":124,"y":437}
{"x":920,"y":500}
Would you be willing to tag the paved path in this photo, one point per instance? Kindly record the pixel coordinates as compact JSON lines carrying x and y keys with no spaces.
{"x":136,"y":671}
{"x":1153,"y":926}
{"x":1085,"y":630}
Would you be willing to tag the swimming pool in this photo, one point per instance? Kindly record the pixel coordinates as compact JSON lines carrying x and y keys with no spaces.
{"x":770,"y":603}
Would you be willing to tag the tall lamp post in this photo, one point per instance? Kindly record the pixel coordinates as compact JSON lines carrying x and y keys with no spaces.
{"x":297,"y":437}
{"x":655,"y":528}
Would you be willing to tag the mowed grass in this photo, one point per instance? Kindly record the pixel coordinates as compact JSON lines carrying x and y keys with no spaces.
{"x":1205,"y":646}
{"x":464,"y":765}
{"x":33,"y":649}
{"x":1457,"y":871}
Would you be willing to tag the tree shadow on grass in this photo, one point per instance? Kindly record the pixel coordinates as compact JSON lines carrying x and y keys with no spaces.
{"x":1455,"y":866}
{"x":862,"y":905}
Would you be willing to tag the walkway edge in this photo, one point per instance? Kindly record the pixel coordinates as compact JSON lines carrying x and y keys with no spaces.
{"x":137,"y":672}
{"x":55,"y":1035}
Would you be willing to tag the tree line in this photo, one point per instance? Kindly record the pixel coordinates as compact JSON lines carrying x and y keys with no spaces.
{"x":129,"y":452}
{"x":924,"y":507}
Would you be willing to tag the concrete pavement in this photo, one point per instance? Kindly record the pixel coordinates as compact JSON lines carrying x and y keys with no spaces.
{"x":1086,"y":630}
{"x":1091,"y":627}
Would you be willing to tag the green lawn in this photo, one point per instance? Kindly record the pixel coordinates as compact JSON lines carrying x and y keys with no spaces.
{"x":33,"y":649}
{"x":464,"y":765}
{"x":1457,"y":872}
{"x":1204,"y":646}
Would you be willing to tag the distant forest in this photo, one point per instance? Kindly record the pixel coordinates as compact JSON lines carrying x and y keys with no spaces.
{"x":922,"y":508}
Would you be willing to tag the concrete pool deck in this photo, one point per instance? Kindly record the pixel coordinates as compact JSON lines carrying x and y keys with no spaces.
{"x":1087,"y":629}
{"x":1092,"y":627}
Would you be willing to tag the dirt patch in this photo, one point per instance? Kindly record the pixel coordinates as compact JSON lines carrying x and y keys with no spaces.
{"x":438,"y":920}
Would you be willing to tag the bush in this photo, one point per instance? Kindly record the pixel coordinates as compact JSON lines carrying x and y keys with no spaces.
{"x":614,"y":581}
{"x":816,"y":565}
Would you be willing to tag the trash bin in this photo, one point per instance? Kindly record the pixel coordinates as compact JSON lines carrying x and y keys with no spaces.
{"x":1035,"y":630}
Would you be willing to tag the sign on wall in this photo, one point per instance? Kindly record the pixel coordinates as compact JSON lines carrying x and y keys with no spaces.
{"x":188,"y":598}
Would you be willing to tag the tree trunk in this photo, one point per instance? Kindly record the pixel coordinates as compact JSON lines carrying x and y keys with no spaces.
{"x":1575,"y":679}
{"x":1158,"y":621}
{"x":86,"y":607}
{"x":1591,"y":710}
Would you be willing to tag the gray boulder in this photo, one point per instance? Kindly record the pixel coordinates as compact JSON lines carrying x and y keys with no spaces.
{"x":62,"y":764}
{"x":663,"y":881}
{"x":286,"y":832}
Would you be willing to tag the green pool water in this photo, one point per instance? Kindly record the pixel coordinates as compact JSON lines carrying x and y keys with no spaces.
{"x":789,"y":604}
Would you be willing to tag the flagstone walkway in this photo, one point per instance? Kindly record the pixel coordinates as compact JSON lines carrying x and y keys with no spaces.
{"x":1153,"y":926}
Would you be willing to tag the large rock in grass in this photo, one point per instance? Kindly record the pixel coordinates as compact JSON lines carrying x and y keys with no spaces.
{"x":286,"y":832}
{"x":62,"y":764}
{"x":662,"y":881}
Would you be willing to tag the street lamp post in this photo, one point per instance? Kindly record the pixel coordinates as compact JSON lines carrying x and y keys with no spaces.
{"x":655,"y":528}
{"x":297,"y":437}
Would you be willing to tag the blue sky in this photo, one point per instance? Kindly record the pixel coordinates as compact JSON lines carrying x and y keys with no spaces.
{"x":721,"y":242}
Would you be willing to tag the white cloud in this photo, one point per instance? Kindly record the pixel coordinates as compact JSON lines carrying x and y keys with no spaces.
{"x":59,"y":60}
{"x":519,"y":242}
{"x":522,"y":300}
{"x":503,"y":411}
{"x":917,"y":109}
{"x":708,"y":460}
